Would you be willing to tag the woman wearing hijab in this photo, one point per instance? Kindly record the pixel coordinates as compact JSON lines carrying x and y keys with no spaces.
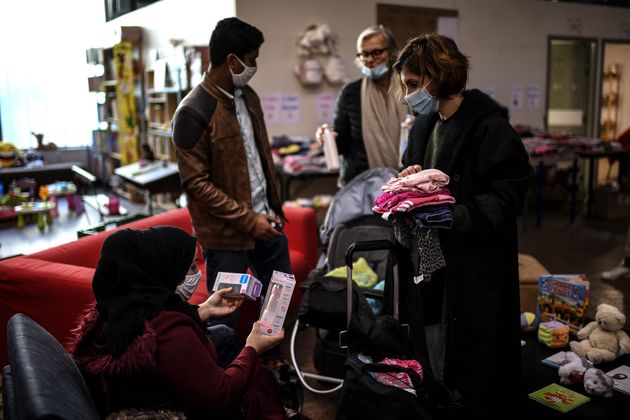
{"x":145,"y":347}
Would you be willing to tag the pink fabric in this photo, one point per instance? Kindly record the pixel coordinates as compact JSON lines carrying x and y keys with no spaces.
{"x":399,"y":379}
{"x":404,"y":202}
{"x":387,"y":201}
{"x":413,"y":203}
{"x":428,"y":180}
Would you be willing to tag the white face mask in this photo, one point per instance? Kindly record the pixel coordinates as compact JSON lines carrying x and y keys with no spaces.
{"x":187,"y":288}
{"x":245,"y":76}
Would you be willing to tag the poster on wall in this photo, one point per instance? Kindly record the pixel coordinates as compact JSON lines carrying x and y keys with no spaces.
{"x":325,"y":107}
{"x":516,"y":97}
{"x":125,"y":103}
{"x":290,"y":108}
{"x":533,"y":96}
{"x":271,"y":107}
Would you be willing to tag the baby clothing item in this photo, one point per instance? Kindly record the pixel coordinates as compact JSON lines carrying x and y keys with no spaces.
{"x":399,"y":379}
{"x":428,"y":180}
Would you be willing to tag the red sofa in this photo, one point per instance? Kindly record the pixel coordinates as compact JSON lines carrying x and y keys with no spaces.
{"x":54,"y":286}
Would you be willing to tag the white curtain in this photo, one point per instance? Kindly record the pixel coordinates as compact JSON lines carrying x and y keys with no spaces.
{"x":43,"y":70}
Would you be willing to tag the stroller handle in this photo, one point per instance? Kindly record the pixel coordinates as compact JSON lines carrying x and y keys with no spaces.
{"x":380,"y":245}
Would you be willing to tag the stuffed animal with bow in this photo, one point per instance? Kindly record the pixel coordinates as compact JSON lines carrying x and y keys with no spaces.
{"x":597,"y":383}
{"x":572,"y":369}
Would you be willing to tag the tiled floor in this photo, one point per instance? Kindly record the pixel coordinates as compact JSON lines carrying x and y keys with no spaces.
{"x":586,"y":246}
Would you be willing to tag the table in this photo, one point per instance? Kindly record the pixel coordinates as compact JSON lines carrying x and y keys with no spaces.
{"x":536,"y":375}
{"x":41,"y":208}
{"x":67,"y":189}
{"x":154,"y":178}
{"x":539,"y":163}
{"x":287,"y":178}
{"x":592,"y":176}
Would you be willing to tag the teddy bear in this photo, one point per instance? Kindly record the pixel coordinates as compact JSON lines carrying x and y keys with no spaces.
{"x":603,"y":340}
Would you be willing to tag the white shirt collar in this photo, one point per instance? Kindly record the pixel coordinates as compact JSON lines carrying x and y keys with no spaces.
{"x":237,"y":92}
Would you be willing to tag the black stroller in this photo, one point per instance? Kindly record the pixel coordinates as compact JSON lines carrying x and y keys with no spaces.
{"x":357,"y":233}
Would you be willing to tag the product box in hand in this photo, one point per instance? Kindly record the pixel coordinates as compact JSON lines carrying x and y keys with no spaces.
{"x":564,"y":298}
{"x":276,"y":304}
{"x":244,"y":286}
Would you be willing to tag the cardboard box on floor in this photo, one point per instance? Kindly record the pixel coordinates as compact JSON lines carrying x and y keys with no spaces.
{"x":529,"y":268}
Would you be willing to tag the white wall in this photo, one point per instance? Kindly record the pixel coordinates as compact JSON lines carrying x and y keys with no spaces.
{"x":190,"y":20}
{"x":506,"y":41}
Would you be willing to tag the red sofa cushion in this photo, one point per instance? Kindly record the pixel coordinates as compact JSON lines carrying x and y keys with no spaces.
{"x":41,"y":290}
{"x":55,"y":286}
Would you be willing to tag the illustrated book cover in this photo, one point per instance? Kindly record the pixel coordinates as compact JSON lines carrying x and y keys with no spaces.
{"x":564,"y":298}
{"x":559,"y":397}
{"x":555,"y":359}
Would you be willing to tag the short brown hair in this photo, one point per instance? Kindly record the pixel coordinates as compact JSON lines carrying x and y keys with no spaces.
{"x":437,"y":57}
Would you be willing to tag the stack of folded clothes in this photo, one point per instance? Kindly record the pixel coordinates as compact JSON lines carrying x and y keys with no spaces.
{"x":417,"y":205}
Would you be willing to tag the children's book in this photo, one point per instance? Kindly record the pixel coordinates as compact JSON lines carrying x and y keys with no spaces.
{"x":559,"y":397}
{"x":555,"y":359}
{"x":621,"y":376}
{"x":564,"y":298}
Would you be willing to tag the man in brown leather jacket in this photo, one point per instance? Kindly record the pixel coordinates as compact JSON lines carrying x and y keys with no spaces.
{"x":225,"y":162}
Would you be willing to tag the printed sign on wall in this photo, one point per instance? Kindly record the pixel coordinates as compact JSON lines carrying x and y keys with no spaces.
{"x":290,"y":109}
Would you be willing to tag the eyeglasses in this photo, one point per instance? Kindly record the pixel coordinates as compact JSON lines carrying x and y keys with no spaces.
{"x":363,"y":55}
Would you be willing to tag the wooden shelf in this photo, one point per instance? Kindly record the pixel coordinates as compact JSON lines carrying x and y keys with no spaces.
{"x":157,"y":132}
{"x":165,"y":90}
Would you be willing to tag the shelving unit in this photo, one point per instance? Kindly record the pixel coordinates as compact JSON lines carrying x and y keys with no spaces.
{"x":118,"y":88}
{"x":164,"y":89}
{"x":610,"y":102}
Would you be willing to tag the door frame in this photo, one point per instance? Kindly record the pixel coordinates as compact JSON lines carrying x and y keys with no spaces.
{"x":600,"y":73}
{"x":594,"y":86}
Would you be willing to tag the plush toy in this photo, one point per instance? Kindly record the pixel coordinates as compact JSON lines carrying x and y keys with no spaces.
{"x":529,"y":321}
{"x":603,"y":340}
{"x":553,"y":334}
{"x":597,"y":383}
{"x":9,"y":155}
{"x":572,"y":369}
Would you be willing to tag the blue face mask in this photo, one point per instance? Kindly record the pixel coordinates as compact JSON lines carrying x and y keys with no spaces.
{"x":421,"y":102}
{"x":375,"y":72}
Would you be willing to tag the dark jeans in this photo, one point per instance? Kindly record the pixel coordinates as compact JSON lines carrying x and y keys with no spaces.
{"x":224,"y":340}
{"x":266,"y":257}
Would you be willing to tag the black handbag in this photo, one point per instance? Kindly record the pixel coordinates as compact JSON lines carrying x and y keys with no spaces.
{"x":363,"y":397}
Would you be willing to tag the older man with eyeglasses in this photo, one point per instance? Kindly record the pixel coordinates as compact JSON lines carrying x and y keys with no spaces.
{"x":369,"y":110}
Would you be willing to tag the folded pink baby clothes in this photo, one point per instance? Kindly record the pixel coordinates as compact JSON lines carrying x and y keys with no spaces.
{"x":410,"y":204}
{"x":386,"y":201}
{"x":428,"y":180}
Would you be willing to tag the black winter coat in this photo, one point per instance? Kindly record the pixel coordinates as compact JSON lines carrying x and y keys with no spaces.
{"x":350,"y":135}
{"x":489,"y":176}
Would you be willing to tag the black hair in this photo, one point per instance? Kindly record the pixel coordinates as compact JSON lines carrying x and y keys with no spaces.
{"x":233,"y":36}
